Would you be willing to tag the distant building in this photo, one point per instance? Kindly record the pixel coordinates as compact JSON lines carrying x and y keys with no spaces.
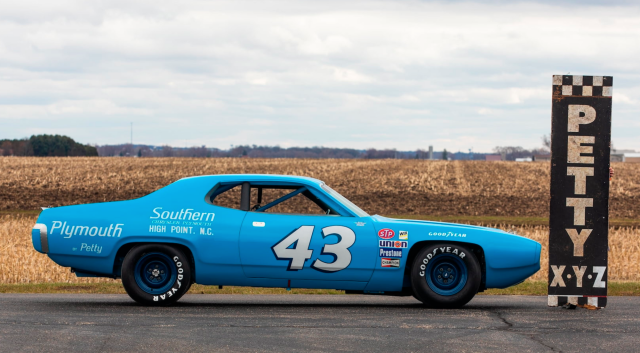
{"x":527,"y":159}
{"x":542,"y":158}
{"x":492,"y":157}
{"x":625,"y":156}
{"x":631,"y":158}
{"x":617,"y":157}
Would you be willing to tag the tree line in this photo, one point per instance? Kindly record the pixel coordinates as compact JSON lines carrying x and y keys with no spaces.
{"x":57,"y":145}
{"x":253,"y":151}
{"x":46,"y":146}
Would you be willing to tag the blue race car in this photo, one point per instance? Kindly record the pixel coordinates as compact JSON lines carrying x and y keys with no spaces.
{"x":276,"y":231}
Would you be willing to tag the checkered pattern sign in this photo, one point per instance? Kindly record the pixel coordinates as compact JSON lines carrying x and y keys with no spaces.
{"x":579,"y":204}
{"x":582,"y":300}
{"x":582,"y":86}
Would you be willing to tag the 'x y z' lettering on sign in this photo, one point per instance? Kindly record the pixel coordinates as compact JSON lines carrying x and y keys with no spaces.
{"x":579,"y":209}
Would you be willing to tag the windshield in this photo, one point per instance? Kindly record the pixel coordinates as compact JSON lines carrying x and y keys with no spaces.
{"x":343,"y":200}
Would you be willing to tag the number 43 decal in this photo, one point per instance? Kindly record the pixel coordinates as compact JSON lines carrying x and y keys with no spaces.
{"x":295,"y":248}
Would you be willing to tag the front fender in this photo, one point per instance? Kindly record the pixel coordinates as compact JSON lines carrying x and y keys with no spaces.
{"x":508,"y":258}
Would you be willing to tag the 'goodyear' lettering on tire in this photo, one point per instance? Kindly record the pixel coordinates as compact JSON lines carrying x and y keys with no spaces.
{"x":444,"y":249}
{"x":169,"y":294}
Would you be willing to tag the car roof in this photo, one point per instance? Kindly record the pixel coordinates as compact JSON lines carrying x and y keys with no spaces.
{"x":257,"y":177}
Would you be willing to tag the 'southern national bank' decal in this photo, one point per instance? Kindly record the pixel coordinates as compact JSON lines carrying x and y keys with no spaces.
{"x":182,"y":215}
{"x":113,"y":230}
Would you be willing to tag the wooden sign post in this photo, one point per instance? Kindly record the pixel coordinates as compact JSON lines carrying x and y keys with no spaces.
{"x":579,"y":212}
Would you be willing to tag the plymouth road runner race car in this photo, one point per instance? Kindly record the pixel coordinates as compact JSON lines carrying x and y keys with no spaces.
{"x":276,"y":231}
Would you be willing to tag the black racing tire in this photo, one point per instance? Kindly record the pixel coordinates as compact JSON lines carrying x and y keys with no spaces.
{"x":188,"y":287}
{"x":156,"y":274}
{"x":445,"y":275}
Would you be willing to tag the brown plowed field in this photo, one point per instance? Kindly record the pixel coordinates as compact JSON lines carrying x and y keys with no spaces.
{"x":378,"y":186}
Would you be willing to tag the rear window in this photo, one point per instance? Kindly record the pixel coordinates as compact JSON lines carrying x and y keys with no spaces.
{"x":227,"y":196}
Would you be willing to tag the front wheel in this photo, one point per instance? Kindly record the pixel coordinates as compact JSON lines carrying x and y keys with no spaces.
{"x":445,"y":275}
{"x":156,"y":274}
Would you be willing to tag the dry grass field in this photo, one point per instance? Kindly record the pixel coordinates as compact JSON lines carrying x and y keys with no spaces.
{"x":408,"y":187}
{"x":19,"y":263}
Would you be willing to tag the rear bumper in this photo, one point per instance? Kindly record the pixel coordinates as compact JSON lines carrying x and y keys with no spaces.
{"x":39,"y":238}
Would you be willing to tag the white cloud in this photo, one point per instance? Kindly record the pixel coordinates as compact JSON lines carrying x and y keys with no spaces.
{"x":347,"y":75}
{"x":360,"y":74}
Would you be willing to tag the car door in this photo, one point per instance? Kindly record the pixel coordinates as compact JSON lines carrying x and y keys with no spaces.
{"x":311,"y":247}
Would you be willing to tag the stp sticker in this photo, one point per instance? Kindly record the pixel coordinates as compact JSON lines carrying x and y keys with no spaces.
{"x":390,"y":262}
{"x":386,"y":233}
{"x":403,"y":235}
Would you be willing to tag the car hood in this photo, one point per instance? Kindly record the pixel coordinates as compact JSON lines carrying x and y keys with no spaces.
{"x":379,"y":218}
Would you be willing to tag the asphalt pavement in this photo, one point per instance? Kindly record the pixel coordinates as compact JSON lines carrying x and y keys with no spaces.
{"x":306,"y":323}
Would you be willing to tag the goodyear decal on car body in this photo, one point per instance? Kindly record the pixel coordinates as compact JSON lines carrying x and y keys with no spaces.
{"x":447,"y":234}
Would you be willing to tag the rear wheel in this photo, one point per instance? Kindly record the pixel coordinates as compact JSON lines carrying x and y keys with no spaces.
{"x":156,"y":274}
{"x":445,"y":275}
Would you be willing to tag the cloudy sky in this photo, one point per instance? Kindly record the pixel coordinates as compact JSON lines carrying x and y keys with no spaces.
{"x":382,"y":74}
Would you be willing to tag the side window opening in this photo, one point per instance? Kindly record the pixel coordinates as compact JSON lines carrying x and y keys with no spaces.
{"x":290,"y":199}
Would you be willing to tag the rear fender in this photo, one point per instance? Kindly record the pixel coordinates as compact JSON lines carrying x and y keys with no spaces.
{"x":125,"y":248}
{"x":110,"y":264}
